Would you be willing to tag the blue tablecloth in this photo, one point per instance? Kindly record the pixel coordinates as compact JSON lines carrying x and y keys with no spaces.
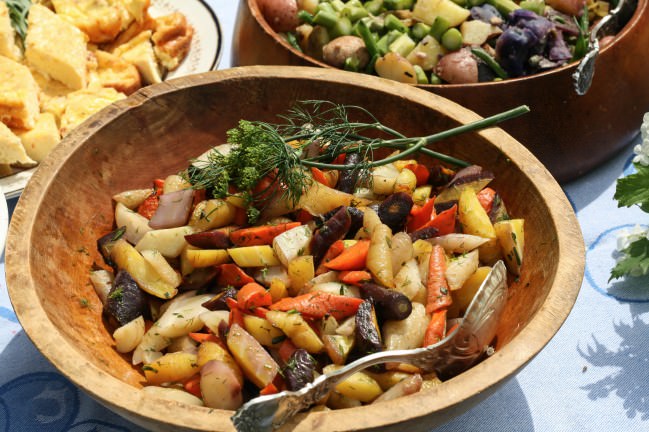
{"x":593,"y":375}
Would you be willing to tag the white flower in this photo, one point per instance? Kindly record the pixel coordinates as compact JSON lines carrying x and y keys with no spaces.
{"x":642,"y":150}
{"x":628,"y":236}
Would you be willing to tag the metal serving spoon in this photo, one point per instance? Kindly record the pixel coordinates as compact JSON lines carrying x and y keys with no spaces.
{"x":608,"y":25}
{"x":454,"y":354}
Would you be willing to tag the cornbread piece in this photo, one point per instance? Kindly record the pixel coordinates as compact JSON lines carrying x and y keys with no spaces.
{"x":8,"y":46}
{"x":18,"y":95}
{"x":101,"y":20}
{"x":117,"y":73}
{"x":133,"y":30}
{"x":39,"y":141}
{"x":172,"y":39}
{"x":83,"y":103}
{"x":52,"y":94}
{"x":11,"y":148}
{"x":137,"y":8}
{"x":56,"y":48}
{"x":139,"y":52}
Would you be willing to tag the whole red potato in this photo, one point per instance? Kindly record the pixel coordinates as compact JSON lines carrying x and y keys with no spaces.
{"x":281,"y":15}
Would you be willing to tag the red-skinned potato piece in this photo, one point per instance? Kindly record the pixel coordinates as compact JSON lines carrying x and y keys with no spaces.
{"x":281,"y":15}
{"x":459,"y":67}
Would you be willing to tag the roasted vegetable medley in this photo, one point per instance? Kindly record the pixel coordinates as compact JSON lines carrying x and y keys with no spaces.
{"x":439,"y":41}
{"x":222,"y":286}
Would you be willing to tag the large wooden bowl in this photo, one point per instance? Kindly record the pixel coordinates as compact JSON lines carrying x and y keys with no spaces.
{"x":570,"y":134}
{"x":67,"y":205}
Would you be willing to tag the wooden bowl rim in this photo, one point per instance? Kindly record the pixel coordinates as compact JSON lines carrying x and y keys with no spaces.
{"x":131,"y":403}
{"x":638,"y":17}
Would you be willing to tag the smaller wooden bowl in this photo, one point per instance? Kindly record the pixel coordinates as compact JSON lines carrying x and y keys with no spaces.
{"x":570,"y":134}
{"x":67,"y":205}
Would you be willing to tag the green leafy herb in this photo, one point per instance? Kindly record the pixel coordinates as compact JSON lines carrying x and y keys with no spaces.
{"x":117,"y":294}
{"x":635,"y":260}
{"x":633,"y":190}
{"x":581,"y":45}
{"x":18,"y":11}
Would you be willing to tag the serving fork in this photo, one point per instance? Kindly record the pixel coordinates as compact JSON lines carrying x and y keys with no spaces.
{"x":609,"y":25}
{"x":457,"y":352}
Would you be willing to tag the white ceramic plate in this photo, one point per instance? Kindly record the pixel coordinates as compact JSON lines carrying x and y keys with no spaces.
{"x":4,"y":223}
{"x":204,"y":55}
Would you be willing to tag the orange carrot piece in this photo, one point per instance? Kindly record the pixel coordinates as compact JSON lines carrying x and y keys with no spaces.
{"x":236,"y":317}
{"x":436,"y":329}
{"x":204,"y":337}
{"x":268,"y":390}
{"x":318,"y":304}
{"x":253,"y":295}
{"x":232,"y":274}
{"x":158,"y":186}
{"x":486,"y":198}
{"x":438,"y":294}
{"x":444,"y":222}
{"x":334,"y":250}
{"x":260,"y":235}
{"x":351,"y":258}
{"x":421,"y":172}
{"x":421,"y":215}
{"x":260,"y":312}
{"x":286,"y":350}
{"x":193,"y":385}
{"x":354,"y":277}
{"x":320,"y":176}
{"x":149,"y":206}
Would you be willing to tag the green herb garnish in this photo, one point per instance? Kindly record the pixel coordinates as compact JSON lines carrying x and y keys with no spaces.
{"x":314,"y":134}
{"x":18,"y":11}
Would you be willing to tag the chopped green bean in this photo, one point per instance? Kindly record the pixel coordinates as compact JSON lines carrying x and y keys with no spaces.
{"x":505,"y":7}
{"x":419,"y":30}
{"x":435,"y":79}
{"x":325,"y":19}
{"x":290,"y":38}
{"x":440,"y":25}
{"x":324,"y":6}
{"x":394,"y":23}
{"x":489,"y":61}
{"x":354,"y":13}
{"x":536,"y":6}
{"x":351,"y":64}
{"x":420,"y":74}
{"x":402,"y":45}
{"x":369,"y":69}
{"x":338,"y":5}
{"x":342,"y":27}
{"x":452,"y":39}
{"x":305,"y":17}
{"x":374,"y":7}
{"x":368,"y":38}
{"x":398,"y":4}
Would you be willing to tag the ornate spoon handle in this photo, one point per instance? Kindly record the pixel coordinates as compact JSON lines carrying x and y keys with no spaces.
{"x":453,"y":354}
{"x":610,"y":24}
